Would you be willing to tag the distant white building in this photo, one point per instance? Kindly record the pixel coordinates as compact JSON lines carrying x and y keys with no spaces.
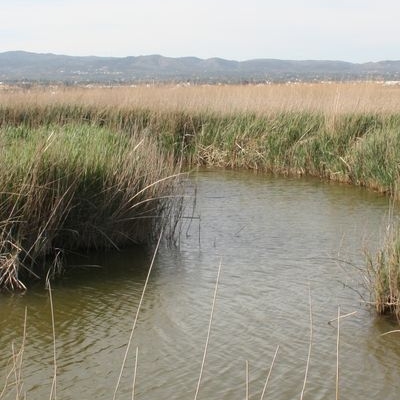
{"x":391,"y":83}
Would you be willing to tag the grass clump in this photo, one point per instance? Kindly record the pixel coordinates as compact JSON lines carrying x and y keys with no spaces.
{"x":76,"y":186}
{"x":384,"y":273}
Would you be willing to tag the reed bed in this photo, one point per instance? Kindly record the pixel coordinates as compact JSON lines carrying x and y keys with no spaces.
{"x":90,"y":149}
{"x":358,"y":148}
{"x":384,"y":273}
{"x":328,"y":98}
{"x":75,"y":187}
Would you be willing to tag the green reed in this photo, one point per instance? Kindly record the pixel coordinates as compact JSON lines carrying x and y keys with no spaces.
{"x":70,"y":174}
{"x":77,"y":186}
{"x":384,"y":273}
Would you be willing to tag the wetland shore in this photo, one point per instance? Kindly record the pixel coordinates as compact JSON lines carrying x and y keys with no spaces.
{"x":97,"y":167}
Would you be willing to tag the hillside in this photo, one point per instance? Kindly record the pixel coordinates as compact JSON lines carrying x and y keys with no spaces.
{"x":20,"y":66}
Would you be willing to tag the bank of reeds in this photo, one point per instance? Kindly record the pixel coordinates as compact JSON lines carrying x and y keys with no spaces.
{"x":346,"y":133}
{"x":76,"y":186}
{"x":384,"y":272}
{"x":329,"y":98}
{"x":358,"y":148}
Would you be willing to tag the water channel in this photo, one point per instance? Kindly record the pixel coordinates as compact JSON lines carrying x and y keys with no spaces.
{"x":278,"y":240}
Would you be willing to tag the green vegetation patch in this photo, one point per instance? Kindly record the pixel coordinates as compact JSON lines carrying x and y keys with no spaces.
{"x":77,"y":186}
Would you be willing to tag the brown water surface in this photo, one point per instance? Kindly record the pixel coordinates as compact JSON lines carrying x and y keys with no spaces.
{"x":277,"y":239}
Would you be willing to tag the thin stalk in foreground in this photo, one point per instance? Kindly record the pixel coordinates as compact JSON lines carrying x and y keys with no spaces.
{"x":134,"y":373}
{"x":247,"y":380}
{"x":136,"y":316}
{"x":269,"y":373}
{"x":208,"y":332}
{"x":309,"y":347}
{"x":53,"y":391}
{"x":388,"y":333}
{"x":16,"y":370}
{"x":337,"y":354}
{"x":21,"y":354}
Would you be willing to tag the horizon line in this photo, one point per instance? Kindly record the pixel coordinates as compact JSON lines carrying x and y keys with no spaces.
{"x":196,"y":57}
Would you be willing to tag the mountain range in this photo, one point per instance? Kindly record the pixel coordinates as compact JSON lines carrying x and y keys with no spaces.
{"x":21,"y":66}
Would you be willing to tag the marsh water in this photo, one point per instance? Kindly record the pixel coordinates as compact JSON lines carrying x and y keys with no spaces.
{"x":278,"y":240}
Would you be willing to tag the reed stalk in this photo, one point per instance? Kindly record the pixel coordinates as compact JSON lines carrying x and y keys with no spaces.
{"x":309,"y":346}
{"x":247,"y":380}
{"x":53,"y":391}
{"x":337,"y":354}
{"x":203,"y":361}
{"x":135,"y":373}
{"x":269,"y":373}
{"x":16,"y":368}
{"x":135,"y":320}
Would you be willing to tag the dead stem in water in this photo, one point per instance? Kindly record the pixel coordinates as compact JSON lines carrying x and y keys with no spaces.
{"x":16,"y":369}
{"x":269,"y":373}
{"x":309,"y":347}
{"x":337,"y":354}
{"x":208,"y":331}
{"x":135,"y":373}
{"x":53,"y":391}
{"x":247,"y":380}
{"x":136,"y":317}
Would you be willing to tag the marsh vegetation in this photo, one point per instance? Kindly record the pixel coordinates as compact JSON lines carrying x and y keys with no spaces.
{"x":97,"y":149}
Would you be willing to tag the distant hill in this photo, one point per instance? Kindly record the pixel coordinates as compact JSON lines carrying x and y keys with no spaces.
{"x":20,"y":66}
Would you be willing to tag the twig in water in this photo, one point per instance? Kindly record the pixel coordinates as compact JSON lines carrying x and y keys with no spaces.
{"x":21,"y":353}
{"x":17,"y":359}
{"x":15,"y":369}
{"x":134,"y":373}
{"x":136,"y":317}
{"x":247,"y":380}
{"x":341,"y":317}
{"x":388,"y":333}
{"x":240,"y":230}
{"x":309,"y":347}
{"x":208,"y":332}
{"x":337,"y":354}
{"x":269,"y":373}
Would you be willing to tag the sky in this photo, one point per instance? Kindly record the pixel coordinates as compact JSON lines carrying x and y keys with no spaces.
{"x":348,"y":30}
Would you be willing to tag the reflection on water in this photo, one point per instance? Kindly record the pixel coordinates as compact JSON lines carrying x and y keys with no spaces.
{"x":276,"y":239}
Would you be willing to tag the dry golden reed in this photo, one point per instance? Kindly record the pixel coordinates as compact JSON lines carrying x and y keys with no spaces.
{"x":331,"y":98}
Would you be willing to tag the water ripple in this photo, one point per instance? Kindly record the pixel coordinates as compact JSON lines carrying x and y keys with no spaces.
{"x":278,"y":240}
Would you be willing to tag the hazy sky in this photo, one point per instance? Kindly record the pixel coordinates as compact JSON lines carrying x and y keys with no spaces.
{"x":351,"y":30}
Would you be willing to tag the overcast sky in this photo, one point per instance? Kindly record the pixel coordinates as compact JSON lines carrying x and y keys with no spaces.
{"x":350,"y":30}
